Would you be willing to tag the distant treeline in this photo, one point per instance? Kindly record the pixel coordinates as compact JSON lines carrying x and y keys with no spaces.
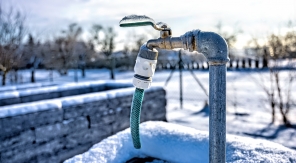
{"x":20,"y":48}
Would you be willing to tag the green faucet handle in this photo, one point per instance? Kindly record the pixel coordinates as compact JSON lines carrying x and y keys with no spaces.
{"x":141,"y":20}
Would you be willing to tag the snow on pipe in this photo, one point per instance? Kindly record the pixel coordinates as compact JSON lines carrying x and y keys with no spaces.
{"x":213,"y":47}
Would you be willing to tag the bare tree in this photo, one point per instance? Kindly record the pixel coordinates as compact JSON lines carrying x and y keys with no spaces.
{"x":277,"y":87}
{"x":268,"y":86}
{"x":108,"y":46}
{"x":95,"y":36}
{"x":94,"y":42}
{"x":141,"y":39}
{"x":11,"y":35}
{"x":32,"y":55}
{"x":64,"y":49}
{"x":133,"y":44}
{"x":290,"y":43}
{"x":136,"y":40}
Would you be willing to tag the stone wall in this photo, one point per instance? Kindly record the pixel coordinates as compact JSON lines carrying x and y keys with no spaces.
{"x":55,"y":130}
{"x":10,"y":97}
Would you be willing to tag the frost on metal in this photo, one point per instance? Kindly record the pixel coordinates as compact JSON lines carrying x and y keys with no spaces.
{"x":133,"y":18}
{"x":136,"y":20}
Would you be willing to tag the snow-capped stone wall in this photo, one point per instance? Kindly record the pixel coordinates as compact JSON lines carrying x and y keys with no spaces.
{"x":10,"y":97}
{"x":57,"y":129}
{"x":25,"y":86}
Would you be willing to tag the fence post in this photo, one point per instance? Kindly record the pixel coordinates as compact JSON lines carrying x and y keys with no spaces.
{"x":180,"y":75}
{"x":243,"y":63}
{"x":250,"y":63}
{"x":256,"y":63}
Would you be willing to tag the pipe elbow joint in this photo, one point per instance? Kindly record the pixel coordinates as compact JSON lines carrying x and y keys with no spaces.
{"x":210,"y":44}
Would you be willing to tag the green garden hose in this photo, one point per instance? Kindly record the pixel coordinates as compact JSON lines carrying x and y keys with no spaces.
{"x":135,"y":116}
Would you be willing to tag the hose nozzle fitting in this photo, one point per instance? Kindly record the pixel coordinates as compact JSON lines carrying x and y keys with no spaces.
{"x":145,"y":67}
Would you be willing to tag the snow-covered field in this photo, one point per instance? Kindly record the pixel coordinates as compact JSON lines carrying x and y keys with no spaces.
{"x":179,"y":144}
{"x":248,"y":113}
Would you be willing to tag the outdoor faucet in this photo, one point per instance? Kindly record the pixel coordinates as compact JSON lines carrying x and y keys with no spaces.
{"x":212,"y":46}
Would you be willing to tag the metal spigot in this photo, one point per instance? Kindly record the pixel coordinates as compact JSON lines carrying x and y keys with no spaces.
{"x":165,"y":41}
{"x":214,"y":48}
{"x":147,"y":57}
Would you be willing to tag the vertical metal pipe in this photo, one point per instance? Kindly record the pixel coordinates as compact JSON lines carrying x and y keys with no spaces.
{"x":215,"y":49}
{"x":180,"y":74}
{"x":217,"y":120}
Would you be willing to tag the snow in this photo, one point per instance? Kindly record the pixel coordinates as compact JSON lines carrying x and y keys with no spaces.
{"x":25,"y":86}
{"x":176,"y":143}
{"x":25,"y":108}
{"x":246,"y":105}
{"x":62,"y":87}
{"x":46,"y":89}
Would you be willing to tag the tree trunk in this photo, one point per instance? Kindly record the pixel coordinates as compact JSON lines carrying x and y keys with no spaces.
{"x":112,"y":68}
{"x":83,"y":71}
{"x":256,"y":63}
{"x":250,"y":63}
{"x":237,"y":64}
{"x":16,"y":76}
{"x":4,"y":78}
{"x":244,"y":63}
{"x":265,"y":62}
{"x":51,"y":75}
{"x":281,"y":104}
{"x":112,"y":73}
{"x":33,"y":76}
{"x":272,"y":112}
{"x":265,"y":59}
{"x":230,"y":64}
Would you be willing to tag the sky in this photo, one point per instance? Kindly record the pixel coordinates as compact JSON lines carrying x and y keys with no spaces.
{"x":256,"y":18}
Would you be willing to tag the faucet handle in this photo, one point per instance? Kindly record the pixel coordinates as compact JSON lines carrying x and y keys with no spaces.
{"x":166,"y":31}
{"x":136,"y":20}
{"x":142,"y":20}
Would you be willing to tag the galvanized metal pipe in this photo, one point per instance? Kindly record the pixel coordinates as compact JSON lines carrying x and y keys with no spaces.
{"x":217,"y":104}
{"x":215,"y":49}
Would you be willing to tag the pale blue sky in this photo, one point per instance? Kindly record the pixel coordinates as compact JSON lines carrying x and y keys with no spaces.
{"x":254,"y":17}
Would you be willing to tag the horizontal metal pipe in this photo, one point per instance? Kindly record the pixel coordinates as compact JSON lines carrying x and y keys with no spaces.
{"x":165,"y":43}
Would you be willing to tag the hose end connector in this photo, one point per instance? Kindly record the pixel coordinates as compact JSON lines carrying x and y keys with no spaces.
{"x":145,"y":67}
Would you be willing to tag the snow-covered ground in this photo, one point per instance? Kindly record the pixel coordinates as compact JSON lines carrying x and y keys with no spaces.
{"x":248,"y":113}
{"x":176,"y":143}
